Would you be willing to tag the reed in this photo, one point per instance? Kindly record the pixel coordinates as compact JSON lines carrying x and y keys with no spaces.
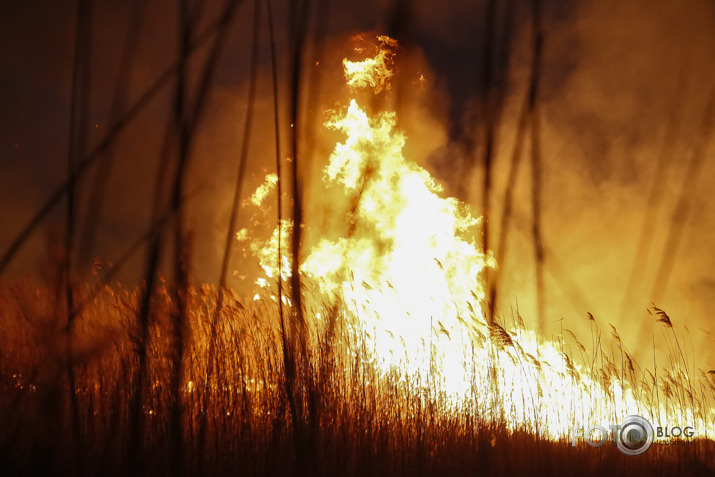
{"x":363,"y":420}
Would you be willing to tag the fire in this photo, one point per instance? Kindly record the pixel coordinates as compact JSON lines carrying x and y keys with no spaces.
{"x":408,"y":270}
{"x":408,"y":275}
{"x":260,"y":194}
{"x":375,"y":72}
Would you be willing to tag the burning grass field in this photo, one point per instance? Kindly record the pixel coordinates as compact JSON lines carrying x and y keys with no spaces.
{"x":394,"y":364}
{"x":347,"y":417}
{"x":374,"y":350}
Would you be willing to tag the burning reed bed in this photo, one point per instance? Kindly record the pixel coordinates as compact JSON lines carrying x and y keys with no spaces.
{"x":378,"y":352}
{"x":333,"y":411}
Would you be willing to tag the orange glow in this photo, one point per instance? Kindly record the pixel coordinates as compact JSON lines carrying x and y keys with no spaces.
{"x":408,"y":277}
{"x":374,"y":72}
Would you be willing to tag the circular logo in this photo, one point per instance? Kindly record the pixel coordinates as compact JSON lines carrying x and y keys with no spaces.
{"x":635,"y":435}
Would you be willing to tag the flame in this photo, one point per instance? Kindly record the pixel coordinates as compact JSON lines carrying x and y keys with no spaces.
{"x":408,"y":273}
{"x":264,"y":189}
{"x":375,"y":72}
{"x":408,"y":268}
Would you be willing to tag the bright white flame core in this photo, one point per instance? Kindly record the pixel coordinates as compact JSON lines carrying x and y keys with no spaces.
{"x":408,"y":269}
{"x":407,"y":273}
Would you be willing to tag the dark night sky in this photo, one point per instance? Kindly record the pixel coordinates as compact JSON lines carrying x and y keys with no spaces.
{"x":614,"y":72}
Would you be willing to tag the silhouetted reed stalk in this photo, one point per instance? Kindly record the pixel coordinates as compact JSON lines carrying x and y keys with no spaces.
{"x":233,"y":218}
{"x":181,"y":247}
{"x":683,"y":205}
{"x":507,"y":207}
{"x":100,"y":183}
{"x":489,"y":113}
{"x":298,"y":373}
{"x":663,"y":318}
{"x":77,"y":145}
{"x":314,"y":84}
{"x":279,"y":178}
{"x":187,"y":115}
{"x":497,"y":49}
{"x":370,"y":422}
{"x":526,"y":117}
{"x":536,"y":161}
{"x":98,"y":152}
{"x":325,"y":395}
{"x":655,"y":197}
{"x":655,"y":378}
{"x":278,"y":421}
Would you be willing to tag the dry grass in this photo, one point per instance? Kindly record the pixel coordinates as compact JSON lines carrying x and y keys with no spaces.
{"x":354,"y":421}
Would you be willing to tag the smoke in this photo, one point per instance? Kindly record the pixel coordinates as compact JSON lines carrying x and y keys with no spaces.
{"x":622,"y":84}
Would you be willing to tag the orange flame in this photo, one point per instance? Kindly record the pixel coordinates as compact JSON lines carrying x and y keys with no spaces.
{"x":375,"y":72}
{"x":408,"y":273}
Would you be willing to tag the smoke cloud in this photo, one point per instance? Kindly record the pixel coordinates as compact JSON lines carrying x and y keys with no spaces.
{"x":624,"y":86}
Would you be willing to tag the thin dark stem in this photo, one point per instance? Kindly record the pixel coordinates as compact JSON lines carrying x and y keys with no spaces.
{"x":655,"y":199}
{"x":298,"y":32}
{"x":77,"y":145}
{"x":488,"y":112}
{"x":97,"y":153}
{"x":684,"y":203}
{"x":245,"y":144}
{"x":536,"y":166}
{"x":183,"y":130}
{"x":233,"y":218}
{"x":117,"y":265}
{"x":508,"y":205}
{"x":279,"y":179}
{"x":655,"y":378}
{"x":496,"y":62}
{"x":119,"y":99}
{"x":181,"y":278}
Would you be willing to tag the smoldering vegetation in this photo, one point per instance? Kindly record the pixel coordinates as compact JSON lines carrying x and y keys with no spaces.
{"x":101,"y":377}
